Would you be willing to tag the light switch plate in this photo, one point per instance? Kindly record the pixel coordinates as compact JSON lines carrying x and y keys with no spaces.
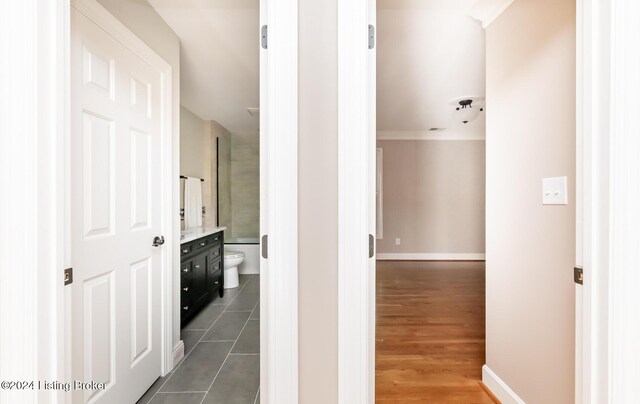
{"x":554,"y":191}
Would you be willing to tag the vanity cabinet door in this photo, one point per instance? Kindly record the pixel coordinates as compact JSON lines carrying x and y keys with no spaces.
{"x":199,"y":283}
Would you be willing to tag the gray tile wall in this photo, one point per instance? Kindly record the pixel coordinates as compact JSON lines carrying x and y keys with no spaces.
{"x":245,"y":185}
{"x":224,"y":176}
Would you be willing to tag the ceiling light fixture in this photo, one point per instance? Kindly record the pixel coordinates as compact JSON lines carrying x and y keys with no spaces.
{"x":466,"y":109}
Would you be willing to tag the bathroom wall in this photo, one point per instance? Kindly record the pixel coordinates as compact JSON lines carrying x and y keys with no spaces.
{"x":239,"y":184}
{"x":245,"y":185}
{"x":224,"y":177}
{"x":433,"y":197}
{"x":198,"y":159}
{"x":531,"y":134}
{"x":193,"y":131}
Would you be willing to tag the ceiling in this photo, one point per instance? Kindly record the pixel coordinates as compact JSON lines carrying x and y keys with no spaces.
{"x":454,"y":5}
{"x":429,"y":52}
{"x":219,"y":69}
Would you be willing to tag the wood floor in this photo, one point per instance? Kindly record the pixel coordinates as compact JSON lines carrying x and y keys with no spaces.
{"x":430,"y":333}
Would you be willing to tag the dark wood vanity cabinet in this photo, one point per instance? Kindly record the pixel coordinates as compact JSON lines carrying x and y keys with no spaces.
{"x":201,"y":274}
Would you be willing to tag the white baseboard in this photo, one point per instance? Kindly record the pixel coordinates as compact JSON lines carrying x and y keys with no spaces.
{"x":499,"y":388}
{"x":178,"y":353}
{"x":430,"y":256}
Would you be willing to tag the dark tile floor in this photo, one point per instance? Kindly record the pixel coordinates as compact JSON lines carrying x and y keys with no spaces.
{"x":222,"y":353}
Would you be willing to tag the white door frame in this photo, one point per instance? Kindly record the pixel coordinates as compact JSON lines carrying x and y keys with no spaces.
{"x":34,"y":343}
{"x":608,"y":231}
{"x":279,"y":203}
{"x":33,"y":122}
{"x":593,"y":113}
{"x":607,"y":228}
{"x":356,"y":202}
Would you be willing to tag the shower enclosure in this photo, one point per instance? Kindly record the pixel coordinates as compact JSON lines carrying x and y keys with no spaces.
{"x":238,"y":193}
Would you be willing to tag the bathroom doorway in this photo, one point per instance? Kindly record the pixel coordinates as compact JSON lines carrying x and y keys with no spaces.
{"x":220,"y":202}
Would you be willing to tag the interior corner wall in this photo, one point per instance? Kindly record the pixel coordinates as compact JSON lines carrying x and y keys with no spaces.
{"x":318,"y":202}
{"x":146,"y":23}
{"x":193,"y":131}
{"x":433,"y":196}
{"x":531,"y":134}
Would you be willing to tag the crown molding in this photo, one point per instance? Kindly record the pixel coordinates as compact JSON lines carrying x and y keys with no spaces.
{"x":426,"y":135}
{"x":486,"y":11}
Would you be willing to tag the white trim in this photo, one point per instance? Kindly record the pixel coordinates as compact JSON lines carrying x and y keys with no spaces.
{"x":425,"y":135}
{"x":579,"y":296}
{"x":356,"y":199}
{"x":379,"y":193}
{"x":178,"y":353}
{"x":487,"y":11}
{"x":356,"y":144}
{"x":32,"y":127}
{"x":279,"y":196}
{"x":594,"y":109}
{"x":170,"y":174}
{"x":499,"y":388}
{"x":624,"y":203}
{"x":430,"y":256}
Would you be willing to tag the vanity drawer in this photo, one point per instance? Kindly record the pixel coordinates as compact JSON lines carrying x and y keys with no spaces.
{"x":216,"y":238}
{"x":186,"y":249}
{"x":215,"y":281}
{"x":186,"y":305}
{"x":186,"y":286}
{"x":215,"y":253}
{"x":201,"y":243}
{"x":186,"y":268}
{"x":215,"y":266}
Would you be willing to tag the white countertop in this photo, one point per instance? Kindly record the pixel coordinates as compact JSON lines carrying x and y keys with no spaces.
{"x":194,"y":234}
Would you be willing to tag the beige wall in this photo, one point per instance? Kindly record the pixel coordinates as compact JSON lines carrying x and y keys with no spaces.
{"x":531,"y":247}
{"x":198,"y":159}
{"x":146,"y":23}
{"x":318,"y":202}
{"x":433,"y":196}
{"x":193,"y":131}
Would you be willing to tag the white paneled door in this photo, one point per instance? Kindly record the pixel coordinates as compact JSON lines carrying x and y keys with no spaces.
{"x":116,"y":126}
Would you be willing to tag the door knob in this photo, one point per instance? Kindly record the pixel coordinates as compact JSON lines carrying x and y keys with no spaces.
{"x":158,"y":241}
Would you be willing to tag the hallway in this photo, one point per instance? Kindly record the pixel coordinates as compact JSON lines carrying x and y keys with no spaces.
{"x":430,"y":332}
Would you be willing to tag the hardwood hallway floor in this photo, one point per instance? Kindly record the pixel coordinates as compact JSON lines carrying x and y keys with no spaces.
{"x":430,"y":332}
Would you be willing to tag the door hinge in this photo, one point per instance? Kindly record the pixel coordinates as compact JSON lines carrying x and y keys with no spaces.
{"x":372,"y":245}
{"x":372,"y":36}
{"x":265,"y":246}
{"x":578,"y":275}
{"x":264,"y":37}
{"x":68,"y":276}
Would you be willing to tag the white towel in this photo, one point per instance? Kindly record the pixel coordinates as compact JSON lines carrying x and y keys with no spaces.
{"x":192,"y":202}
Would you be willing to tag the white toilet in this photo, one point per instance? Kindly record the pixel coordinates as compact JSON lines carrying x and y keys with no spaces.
{"x":231,"y":261}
